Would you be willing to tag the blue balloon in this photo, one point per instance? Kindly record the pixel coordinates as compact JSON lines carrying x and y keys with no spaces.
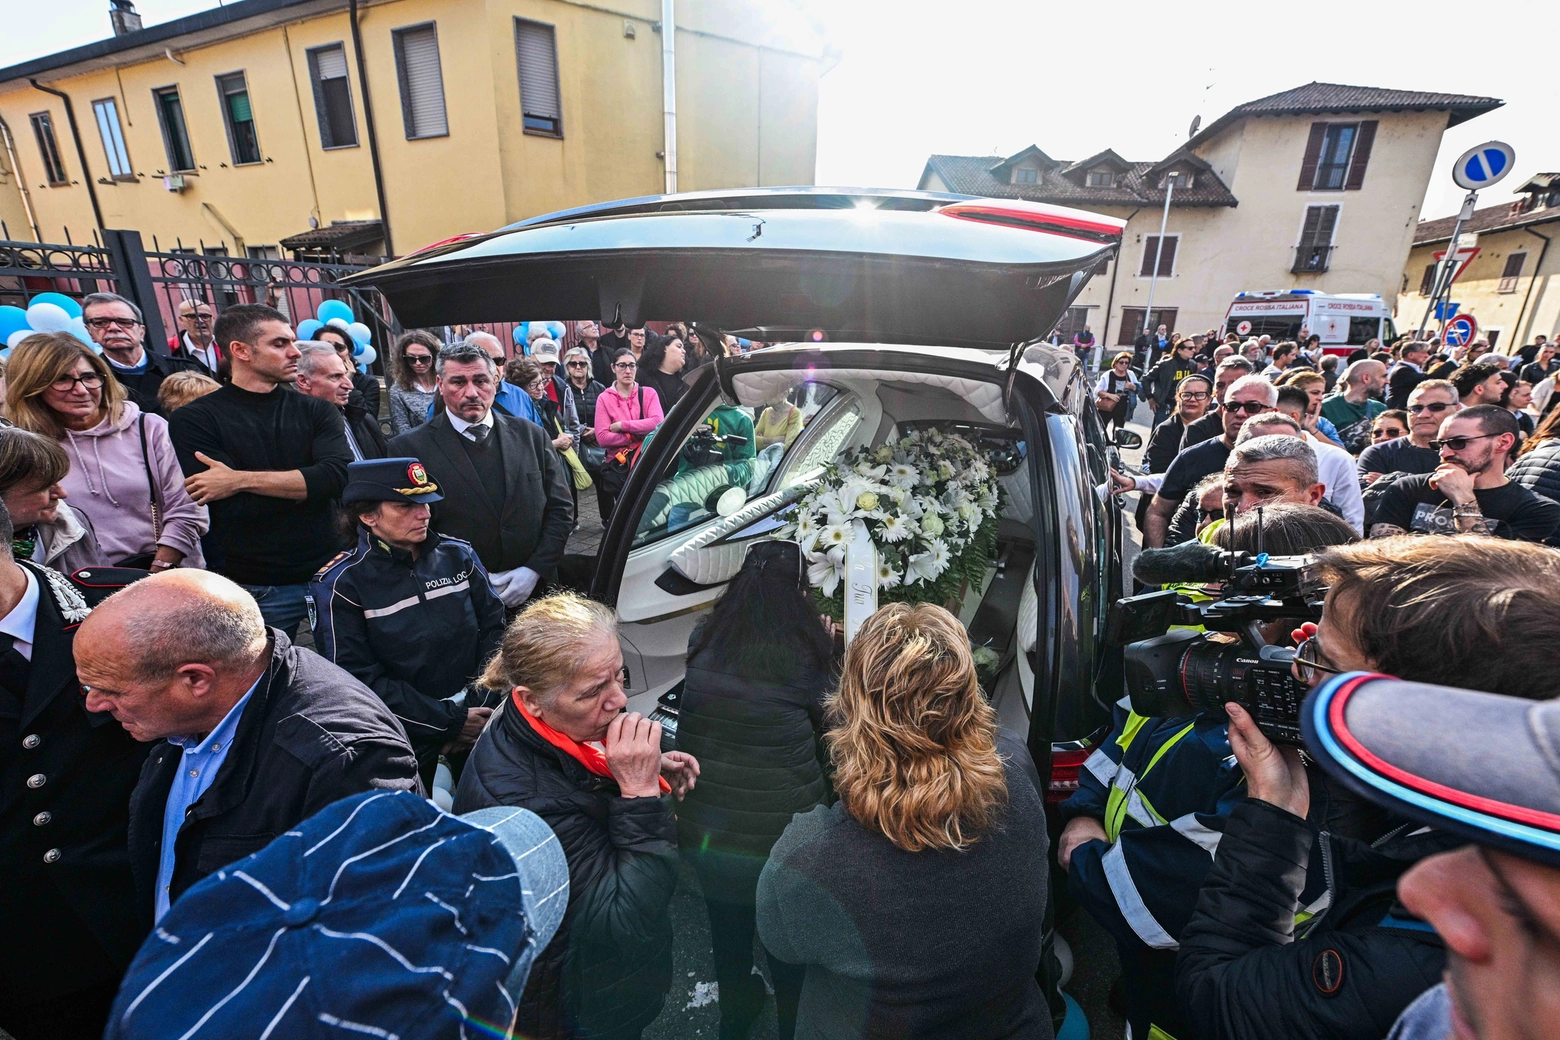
{"x":333,"y":309}
{"x":519,"y":333}
{"x":12,"y":319}
{"x":367,"y":357}
{"x":308,"y":327}
{"x":60,"y":300}
{"x":358,"y":348}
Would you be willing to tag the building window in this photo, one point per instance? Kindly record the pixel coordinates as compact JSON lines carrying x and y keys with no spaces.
{"x":113,"y":135}
{"x":1132,"y":323}
{"x":49,"y":148}
{"x":1336,"y":155}
{"x":1511,"y":272}
{"x":1427,"y":283}
{"x":240,"y":119}
{"x":1316,"y":235}
{"x":176,"y":136}
{"x":422,"y":82}
{"x":1166,"y":256}
{"x":1182,"y":179}
{"x":536,"y":53}
{"x":1025,"y":175}
{"x":1101,"y":179}
{"x":332,"y":96}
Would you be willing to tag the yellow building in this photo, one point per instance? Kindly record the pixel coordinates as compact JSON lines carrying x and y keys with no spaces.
{"x":1511,"y":286}
{"x":1318,"y":188}
{"x":380,"y":126}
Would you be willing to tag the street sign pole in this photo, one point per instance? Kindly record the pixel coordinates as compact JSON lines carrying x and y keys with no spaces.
{"x":1448,"y":268}
{"x":1478,"y":167}
{"x":1159,"y":251}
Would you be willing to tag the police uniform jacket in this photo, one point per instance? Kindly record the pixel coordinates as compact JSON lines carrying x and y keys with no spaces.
{"x":413,"y":631}
{"x":66,"y":898}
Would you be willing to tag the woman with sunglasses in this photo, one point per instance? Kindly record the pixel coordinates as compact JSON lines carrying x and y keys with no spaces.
{"x":414,"y":384}
{"x":1389,"y":426}
{"x":577,"y":372}
{"x":759,"y":666}
{"x":625,"y":413}
{"x":1115,"y":395}
{"x":124,"y":475}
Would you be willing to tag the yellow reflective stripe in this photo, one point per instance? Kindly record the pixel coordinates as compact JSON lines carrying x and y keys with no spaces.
{"x":1152,"y":815}
{"x":1115,"y":808}
{"x":1166,"y":746}
{"x":1129,"y":732}
{"x":1155,"y":1033}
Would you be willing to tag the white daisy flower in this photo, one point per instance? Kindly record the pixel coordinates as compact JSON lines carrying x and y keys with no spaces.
{"x":887,"y":576}
{"x":896,"y":528}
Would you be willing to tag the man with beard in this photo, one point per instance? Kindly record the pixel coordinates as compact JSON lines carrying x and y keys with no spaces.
{"x":1468,"y":493}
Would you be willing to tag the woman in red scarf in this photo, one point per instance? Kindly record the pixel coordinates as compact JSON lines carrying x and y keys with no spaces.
{"x":562,"y":747}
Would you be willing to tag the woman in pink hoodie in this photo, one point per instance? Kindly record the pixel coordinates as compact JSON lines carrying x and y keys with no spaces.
{"x":123,"y":472}
{"x":625,"y":413}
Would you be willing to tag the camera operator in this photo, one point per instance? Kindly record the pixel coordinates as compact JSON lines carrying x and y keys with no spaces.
{"x":1495,"y":903}
{"x":1145,"y":822}
{"x":1473,"y":612}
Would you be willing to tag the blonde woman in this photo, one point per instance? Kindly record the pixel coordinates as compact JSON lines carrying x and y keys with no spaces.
{"x":916,"y":903}
{"x":561,"y":746}
{"x":123,"y":475}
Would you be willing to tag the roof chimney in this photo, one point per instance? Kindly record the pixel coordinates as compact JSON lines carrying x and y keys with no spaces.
{"x":122,"y":14}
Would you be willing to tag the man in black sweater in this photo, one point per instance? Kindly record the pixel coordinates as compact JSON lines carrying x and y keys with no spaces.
{"x":268,"y":462}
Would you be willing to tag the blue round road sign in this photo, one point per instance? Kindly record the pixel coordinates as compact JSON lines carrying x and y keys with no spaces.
{"x":1482,"y":166}
{"x":1459,"y":331}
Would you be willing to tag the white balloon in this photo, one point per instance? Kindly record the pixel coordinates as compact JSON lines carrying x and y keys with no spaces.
{"x":17,"y":336}
{"x":48,"y":317}
{"x":359,"y":332}
{"x":341,"y":323}
{"x":367,"y":357}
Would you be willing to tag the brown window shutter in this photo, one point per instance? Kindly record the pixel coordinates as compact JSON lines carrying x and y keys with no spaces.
{"x":1362,"y":145}
{"x":1313,"y":220}
{"x":1167,"y":258}
{"x":1313,"y":155}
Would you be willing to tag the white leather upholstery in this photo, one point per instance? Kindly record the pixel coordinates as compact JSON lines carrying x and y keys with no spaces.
{"x":756,"y":388}
{"x":1028,"y":614}
{"x":709,"y":561}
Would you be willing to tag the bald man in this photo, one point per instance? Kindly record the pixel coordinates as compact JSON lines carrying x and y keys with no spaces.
{"x":252,"y":734}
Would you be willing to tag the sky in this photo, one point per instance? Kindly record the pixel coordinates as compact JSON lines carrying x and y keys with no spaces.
{"x":990,"y":77}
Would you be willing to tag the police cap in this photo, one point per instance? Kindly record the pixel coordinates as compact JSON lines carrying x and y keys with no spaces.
{"x":389,"y":480}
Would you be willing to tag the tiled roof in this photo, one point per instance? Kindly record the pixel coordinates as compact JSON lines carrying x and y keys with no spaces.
{"x":1065,"y":183}
{"x":339,"y":236}
{"x":1505,"y":217}
{"x":1326,"y":98}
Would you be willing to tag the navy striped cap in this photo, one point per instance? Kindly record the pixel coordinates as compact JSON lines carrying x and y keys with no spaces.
{"x":379,"y":916}
{"x":1481,"y":765}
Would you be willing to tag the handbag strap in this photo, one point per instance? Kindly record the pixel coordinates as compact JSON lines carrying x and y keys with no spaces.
{"x":151,"y":481}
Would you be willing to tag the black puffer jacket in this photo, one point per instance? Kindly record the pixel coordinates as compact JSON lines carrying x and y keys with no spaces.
{"x":758,"y":748}
{"x":608,"y":968}
{"x":1246,"y":972}
{"x":1539,"y":470}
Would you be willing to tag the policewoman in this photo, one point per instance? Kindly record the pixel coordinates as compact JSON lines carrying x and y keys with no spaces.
{"x":409,"y":612}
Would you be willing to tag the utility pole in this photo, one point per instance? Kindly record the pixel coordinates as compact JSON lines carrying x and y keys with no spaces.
{"x":1159,"y":251}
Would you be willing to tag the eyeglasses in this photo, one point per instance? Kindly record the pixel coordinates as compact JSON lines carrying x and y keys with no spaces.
{"x":104,"y":323}
{"x":578,"y":364}
{"x":1193,"y":396}
{"x":1209,"y":514}
{"x":626,"y":366}
{"x":1459,"y":443}
{"x":1309,"y":660}
{"x":1387,"y":434}
{"x":202,"y":318}
{"x":1434,"y":407}
{"x":1249,"y":407}
{"x":89,"y":380}
{"x":538,"y":383}
{"x":419,"y":359}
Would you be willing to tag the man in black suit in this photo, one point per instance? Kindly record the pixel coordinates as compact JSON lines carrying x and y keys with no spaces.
{"x":67,"y":906}
{"x":506,"y":491}
{"x":1407,"y":373}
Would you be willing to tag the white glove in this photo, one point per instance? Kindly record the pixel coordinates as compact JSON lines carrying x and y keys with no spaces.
{"x":514,"y":587}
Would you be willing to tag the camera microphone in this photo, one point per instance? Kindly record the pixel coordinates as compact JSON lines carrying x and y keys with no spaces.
{"x":1190,"y":562}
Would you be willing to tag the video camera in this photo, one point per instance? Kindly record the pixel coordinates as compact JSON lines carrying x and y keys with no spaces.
{"x":705,"y":447}
{"x":1173,"y":671}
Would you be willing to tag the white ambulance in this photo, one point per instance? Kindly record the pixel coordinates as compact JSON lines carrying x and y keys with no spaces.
{"x":1344,"y":321}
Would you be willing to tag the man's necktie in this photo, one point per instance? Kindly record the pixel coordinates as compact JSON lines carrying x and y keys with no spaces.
{"x":14,"y":668}
{"x":478,"y":434}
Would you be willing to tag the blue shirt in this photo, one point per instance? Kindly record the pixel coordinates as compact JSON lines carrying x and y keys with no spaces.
{"x":197,"y":770}
{"x":512,"y":399}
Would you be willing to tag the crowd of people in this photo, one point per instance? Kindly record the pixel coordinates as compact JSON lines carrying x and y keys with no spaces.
{"x":871,"y":847}
{"x":1411,"y":439}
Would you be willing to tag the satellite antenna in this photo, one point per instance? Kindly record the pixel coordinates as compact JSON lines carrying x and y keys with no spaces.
{"x":1192,"y":130}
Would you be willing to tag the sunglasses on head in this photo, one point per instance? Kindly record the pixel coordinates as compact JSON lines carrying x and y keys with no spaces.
{"x":1249,"y":407}
{"x":1436,"y":407}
